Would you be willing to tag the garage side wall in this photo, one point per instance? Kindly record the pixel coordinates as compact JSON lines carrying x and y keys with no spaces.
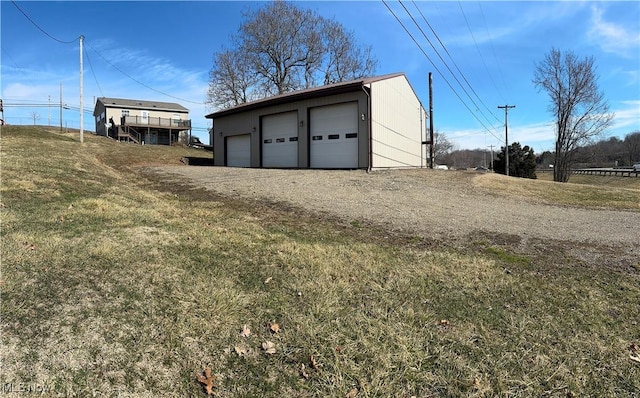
{"x":397,"y":125}
{"x":249,"y":122}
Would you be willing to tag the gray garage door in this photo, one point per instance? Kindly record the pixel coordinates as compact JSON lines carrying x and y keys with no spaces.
{"x":239,"y":150}
{"x":334,"y":136}
{"x":280,"y":140}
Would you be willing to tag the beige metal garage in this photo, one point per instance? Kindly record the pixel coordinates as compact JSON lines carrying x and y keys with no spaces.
{"x":370,"y":123}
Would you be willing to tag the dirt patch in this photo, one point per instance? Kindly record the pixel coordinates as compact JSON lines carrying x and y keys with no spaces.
{"x":433,"y":204}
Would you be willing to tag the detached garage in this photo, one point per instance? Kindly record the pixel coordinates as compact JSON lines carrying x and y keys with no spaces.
{"x":371,"y":123}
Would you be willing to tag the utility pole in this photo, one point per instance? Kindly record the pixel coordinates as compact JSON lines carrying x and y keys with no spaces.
{"x":60,"y":107}
{"x":430,"y":121}
{"x":491,"y":160}
{"x":506,"y":136}
{"x":81,"y":110}
{"x":49,"y":108}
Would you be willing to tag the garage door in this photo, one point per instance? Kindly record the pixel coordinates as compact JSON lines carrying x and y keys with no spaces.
{"x":280,"y":140}
{"x":239,"y":150}
{"x":334,"y":136}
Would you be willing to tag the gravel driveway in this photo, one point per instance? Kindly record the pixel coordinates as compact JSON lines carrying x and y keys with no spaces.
{"x":444,"y":205}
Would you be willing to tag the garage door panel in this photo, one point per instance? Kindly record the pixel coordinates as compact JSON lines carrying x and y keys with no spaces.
{"x":280,"y":140}
{"x":239,"y":150}
{"x":334,"y":136}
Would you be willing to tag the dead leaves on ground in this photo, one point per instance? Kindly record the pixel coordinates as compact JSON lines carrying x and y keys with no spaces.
{"x":207,"y":381}
{"x":635,"y":353}
{"x":246,"y":332}
{"x":269,"y":347}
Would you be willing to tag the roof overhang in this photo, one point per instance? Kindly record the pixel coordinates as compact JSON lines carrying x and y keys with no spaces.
{"x":331,"y":89}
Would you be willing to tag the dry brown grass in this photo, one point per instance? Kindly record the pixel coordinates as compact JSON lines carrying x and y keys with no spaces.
{"x":583,"y":191}
{"x":115,"y":285}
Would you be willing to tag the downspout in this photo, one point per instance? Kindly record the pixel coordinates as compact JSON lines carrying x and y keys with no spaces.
{"x":370,"y":132}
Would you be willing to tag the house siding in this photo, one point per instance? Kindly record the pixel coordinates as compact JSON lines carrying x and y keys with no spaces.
{"x":398,"y":125}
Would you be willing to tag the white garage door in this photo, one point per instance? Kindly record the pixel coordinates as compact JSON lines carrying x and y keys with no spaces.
{"x":334,"y":136}
{"x":239,"y":151}
{"x":280,"y":140}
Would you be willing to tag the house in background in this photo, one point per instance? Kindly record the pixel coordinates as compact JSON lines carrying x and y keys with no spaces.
{"x":141,"y":122}
{"x":370,"y":123}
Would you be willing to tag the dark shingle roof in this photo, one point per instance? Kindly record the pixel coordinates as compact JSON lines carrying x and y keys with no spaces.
{"x":335,"y":88}
{"x":142,"y":104}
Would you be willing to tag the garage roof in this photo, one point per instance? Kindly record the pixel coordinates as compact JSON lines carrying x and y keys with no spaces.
{"x":336,"y":88}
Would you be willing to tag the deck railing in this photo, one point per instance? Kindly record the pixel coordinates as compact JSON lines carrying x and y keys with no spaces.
{"x":155,"y":122}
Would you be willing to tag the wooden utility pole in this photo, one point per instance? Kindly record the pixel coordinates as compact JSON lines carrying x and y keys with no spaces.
{"x":430,"y":121}
{"x":61,"y":107}
{"x":506,"y":136}
{"x":81,"y":89}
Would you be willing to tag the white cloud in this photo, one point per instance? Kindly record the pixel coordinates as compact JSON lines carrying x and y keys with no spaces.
{"x":627,"y":117}
{"x":611,"y":37}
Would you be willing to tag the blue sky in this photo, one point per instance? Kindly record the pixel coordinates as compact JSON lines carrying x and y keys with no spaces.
{"x":163,"y":51}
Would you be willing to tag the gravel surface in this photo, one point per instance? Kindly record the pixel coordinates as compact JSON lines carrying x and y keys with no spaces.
{"x":444,"y":205}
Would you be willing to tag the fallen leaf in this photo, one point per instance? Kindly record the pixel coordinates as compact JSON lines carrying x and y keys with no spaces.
{"x":246,"y":332}
{"x":303,"y":373}
{"x":269,"y":347}
{"x":352,"y":393}
{"x":61,"y":218}
{"x":207,"y":381}
{"x":313,"y":362}
{"x":241,"y":351}
{"x":275,"y":328}
{"x":443,"y":322}
{"x":268,"y":280}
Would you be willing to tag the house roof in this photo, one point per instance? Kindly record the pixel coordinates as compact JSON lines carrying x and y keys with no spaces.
{"x":140,"y":104}
{"x":336,"y":88}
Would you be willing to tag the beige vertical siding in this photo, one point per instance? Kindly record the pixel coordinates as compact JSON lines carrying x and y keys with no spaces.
{"x":396,"y":126}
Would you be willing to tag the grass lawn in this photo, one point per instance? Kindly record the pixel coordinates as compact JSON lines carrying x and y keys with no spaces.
{"x":116,"y":284}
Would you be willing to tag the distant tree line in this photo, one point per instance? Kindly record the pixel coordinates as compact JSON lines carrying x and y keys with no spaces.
{"x":609,"y":152}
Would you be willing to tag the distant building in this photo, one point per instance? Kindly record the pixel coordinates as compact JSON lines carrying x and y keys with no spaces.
{"x":142,"y":122}
{"x":369,"y":123}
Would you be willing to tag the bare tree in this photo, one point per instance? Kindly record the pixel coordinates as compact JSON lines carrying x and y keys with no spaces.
{"x":632,"y":142}
{"x":580,"y":107}
{"x":231,"y":80}
{"x":441,"y":146}
{"x":35,"y":117}
{"x":281,"y":47}
{"x":344,"y":60}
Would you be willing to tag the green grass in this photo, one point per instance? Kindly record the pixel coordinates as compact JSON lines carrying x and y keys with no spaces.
{"x":117,"y":284}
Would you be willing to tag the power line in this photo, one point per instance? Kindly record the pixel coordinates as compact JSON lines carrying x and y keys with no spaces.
{"x":478,"y":48}
{"x":493,"y":50}
{"x":94,"y":73}
{"x":454,"y":62}
{"x":445,"y":63}
{"x":139,"y":82}
{"x":436,"y":67}
{"x":39,"y":28}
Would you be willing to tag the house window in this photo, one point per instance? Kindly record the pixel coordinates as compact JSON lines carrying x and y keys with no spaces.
{"x":125,"y":112}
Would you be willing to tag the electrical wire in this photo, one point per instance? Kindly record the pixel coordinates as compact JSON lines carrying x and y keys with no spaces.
{"x":453,"y":60}
{"x":138,"y":81}
{"x":93,"y":73}
{"x":495,"y":57}
{"x":477,"y":48}
{"x":437,"y":69}
{"x":10,"y":57}
{"x":446,"y":65}
{"x":39,"y":28}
